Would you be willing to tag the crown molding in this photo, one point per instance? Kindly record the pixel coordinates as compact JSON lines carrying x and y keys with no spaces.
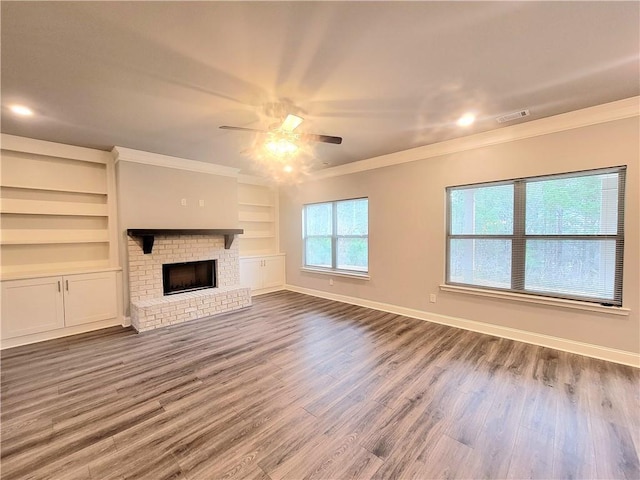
{"x":608,"y":112}
{"x":122,"y":154}
{"x":15,"y":143}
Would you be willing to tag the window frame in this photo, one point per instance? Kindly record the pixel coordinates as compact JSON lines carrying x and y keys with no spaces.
{"x":519,"y":237}
{"x":334,"y":238}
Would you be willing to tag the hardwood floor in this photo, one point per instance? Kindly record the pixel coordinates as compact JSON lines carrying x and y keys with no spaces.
{"x":298,"y":387}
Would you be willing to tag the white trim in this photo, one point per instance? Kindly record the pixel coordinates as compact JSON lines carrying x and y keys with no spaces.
{"x":629,"y":107}
{"x":52,"y":149}
{"x":336,"y":273}
{"x":122,"y":154}
{"x":112,"y":206}
{"x":60,"y":332}
{"x":571,"y":346}
{"x":262,"y":291}
{"x":555,"y":302}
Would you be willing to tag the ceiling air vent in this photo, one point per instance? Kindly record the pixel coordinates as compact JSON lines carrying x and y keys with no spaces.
{"x":513,"y":116}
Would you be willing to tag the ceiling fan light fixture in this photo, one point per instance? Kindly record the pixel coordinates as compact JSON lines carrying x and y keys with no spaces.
{"x":279,"y":152}
{"x":281,"y":147}
{"x":291,"y":123}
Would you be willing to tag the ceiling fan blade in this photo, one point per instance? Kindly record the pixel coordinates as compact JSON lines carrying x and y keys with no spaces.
{"x":227,"y":127}
{"x":321,"y":138}
{"x":309,"y":137}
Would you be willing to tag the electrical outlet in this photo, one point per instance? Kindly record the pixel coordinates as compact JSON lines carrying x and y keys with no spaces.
{"x":331,"y":281}
{"x":201,"y":203}
{"x":432,"y":298}
{"x":183,"y":202}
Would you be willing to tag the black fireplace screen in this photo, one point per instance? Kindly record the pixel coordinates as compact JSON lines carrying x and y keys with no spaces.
{"x":188,"y":276}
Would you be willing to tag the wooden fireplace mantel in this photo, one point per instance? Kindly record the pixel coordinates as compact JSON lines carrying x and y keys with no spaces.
{"x":148,"y":234}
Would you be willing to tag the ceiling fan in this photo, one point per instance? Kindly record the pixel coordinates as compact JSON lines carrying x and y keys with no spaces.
{"x":290,"y":123}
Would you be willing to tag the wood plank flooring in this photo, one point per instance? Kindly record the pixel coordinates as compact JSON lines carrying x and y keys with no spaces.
{"x":297,"y":387}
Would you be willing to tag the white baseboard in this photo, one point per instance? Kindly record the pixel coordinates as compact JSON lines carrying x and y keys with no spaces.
{"x":59,"y":333}
{"x":262,"y":291}
{"x":571,"y":346}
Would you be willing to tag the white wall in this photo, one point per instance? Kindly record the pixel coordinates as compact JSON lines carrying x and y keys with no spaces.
{"x":150,"y":196}
{"x":407,"y":230}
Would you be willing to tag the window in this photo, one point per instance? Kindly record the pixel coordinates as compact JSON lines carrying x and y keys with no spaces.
{"x":336,"y":235}
{"x":558,"y":235}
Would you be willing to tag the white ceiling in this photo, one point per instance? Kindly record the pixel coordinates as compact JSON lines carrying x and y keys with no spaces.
{"x":386,"y":76}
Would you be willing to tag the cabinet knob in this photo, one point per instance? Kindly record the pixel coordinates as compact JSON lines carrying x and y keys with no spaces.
{"x":59,"y":287}
{"x":67,"y":284}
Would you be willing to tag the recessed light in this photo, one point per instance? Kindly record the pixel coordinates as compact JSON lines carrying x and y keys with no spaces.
{"x":466,"y":120}
{"x":288,"y":168}
{"x":21,"y":110}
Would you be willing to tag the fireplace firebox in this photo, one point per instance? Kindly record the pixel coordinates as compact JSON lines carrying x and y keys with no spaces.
{"x":188,"y":276}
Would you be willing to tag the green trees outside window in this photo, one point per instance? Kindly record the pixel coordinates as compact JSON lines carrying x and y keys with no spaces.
{"x":558,"y":235}
{"x":336,"y":235}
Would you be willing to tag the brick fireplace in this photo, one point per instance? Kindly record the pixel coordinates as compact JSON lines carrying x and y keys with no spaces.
{"x":151,"y":308}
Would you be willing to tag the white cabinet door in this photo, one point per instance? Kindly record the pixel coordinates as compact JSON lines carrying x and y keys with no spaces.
{"x":251,"y":272}
{"x":272,"y":272}
{"x":31,"y":306}
{"x":89,"y":297}
{"x":261,"y":273}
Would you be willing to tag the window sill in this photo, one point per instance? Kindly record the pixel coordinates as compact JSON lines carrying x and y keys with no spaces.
{"x":336,"y":273}
{"x":555,"y":302}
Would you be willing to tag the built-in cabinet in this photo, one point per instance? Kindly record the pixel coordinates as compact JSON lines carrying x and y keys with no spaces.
{"x":32,"y":306}
{"x":262,"y":273}
{"x":43,"y":304}
{"x":261,"y":263}
{"x":58,"y":221}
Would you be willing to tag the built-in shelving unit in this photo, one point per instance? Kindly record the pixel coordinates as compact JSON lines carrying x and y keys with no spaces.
{"x":258,"y":217}
{"x":57,"y":208}
{"x":262,"y":266}
{"x":60,"y":265}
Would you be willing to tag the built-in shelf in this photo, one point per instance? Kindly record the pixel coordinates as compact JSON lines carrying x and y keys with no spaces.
{"x":253,"y":204}
{"x":47,"y":188}
{"x":258,"y":215}
{"x":148,"y":235}
{"x":38,"y":207}
{"x":257,"y":235}
{"x":44,"y":236}
{"x":264,"y":216}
